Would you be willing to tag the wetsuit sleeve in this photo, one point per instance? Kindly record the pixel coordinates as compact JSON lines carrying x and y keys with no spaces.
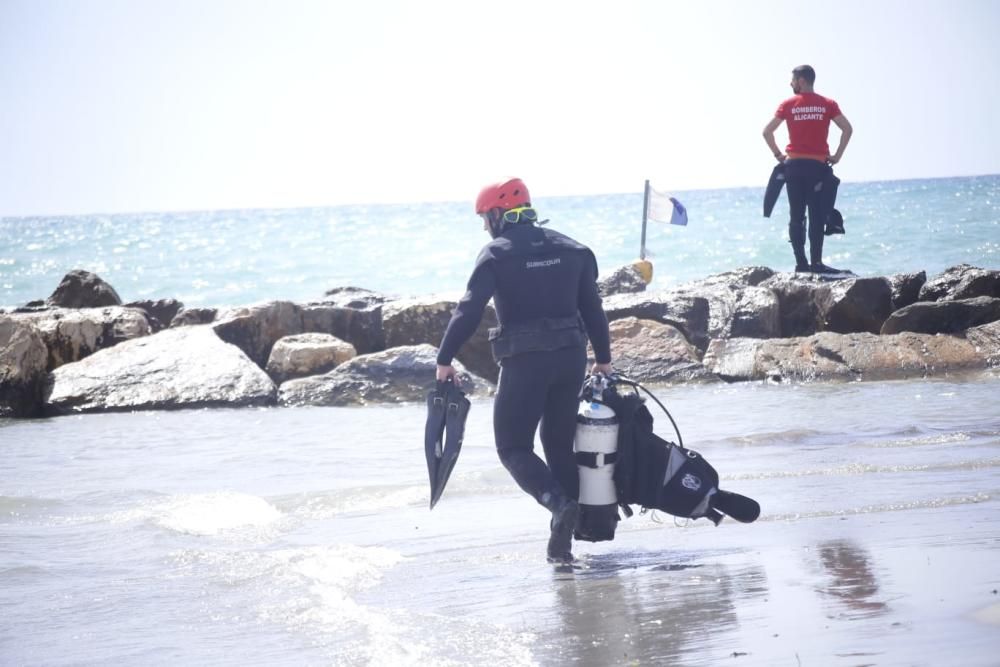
{"x":592,"y":312}
{"x":468,"y":313}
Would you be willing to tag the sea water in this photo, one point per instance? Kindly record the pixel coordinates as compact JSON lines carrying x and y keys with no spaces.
{"x":220,"y":258}
{"x":302,"y":536}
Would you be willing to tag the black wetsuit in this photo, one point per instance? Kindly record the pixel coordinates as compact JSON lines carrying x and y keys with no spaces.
{"x":544,"y":286}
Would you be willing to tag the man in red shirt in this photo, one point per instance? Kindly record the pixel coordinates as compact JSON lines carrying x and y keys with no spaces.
{"x":807,"y":162}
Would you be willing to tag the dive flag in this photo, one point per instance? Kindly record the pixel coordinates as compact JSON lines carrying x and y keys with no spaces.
{"x":664,"y":208}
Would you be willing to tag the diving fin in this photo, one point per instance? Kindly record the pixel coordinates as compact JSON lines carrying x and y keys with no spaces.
{"x":741,"y":508}
{"x":434,"y":433}
{"x":447,"y":410}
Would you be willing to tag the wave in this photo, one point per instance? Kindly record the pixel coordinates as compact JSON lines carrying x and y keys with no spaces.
{"x":203,"y":514}
{"x":868,"y":468}
{"x":930,"y":503}
{"x":375,"y":498}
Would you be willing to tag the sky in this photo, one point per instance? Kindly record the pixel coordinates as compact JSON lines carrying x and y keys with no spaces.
{"x":113,"y":106}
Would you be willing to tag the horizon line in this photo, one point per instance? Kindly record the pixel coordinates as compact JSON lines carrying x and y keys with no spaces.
{"x":225,"y":209}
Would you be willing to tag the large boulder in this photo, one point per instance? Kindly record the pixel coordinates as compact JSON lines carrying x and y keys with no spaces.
{"x":931,"y":317}
{"x":160,"y":312}
{"x":307,"y":354}
{"x":23,"y":367}
{"x":421,"y":321}
{"x":187,"y":317}
{"x":650,"y":351}
{"x":358,"y":322}
{"x":83,"y":289}
{"x":395,"y":375}
{"x":803,"y":301}
{"x":906,"y":288}
{"x":832,"y":356}
{"x":737,"y":305}
{"x":858,"y":304}
{"x":72,"y":334}
{"x":189,"y":367}
{"x":255,"y":329}
{"x":353,"y":297}
{"x":624,"y":280}
{"x":986,"y":340}
{"x":688,"y":313}
{"x":961,"y":282}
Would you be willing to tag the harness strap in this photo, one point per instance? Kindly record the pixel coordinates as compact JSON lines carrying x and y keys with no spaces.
{"x":595,"y":459}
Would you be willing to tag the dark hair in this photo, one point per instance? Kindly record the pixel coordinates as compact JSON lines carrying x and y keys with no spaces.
{"x":805,"y":72}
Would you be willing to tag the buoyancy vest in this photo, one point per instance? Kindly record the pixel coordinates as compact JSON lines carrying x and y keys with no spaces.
{"x":654,"y":473}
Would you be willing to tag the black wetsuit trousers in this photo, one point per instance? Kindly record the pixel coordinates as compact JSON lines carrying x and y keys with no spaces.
{"x":802,"y":176}
{"x":540,"y":387}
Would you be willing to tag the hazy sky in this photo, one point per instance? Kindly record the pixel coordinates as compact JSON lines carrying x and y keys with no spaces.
{"x":142,"y":105}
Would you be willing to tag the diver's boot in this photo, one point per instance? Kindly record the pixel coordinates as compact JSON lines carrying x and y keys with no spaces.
{"x":820,"y":267}
{"x":564,"y":516}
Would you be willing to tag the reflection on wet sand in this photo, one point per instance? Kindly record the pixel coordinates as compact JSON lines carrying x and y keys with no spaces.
{"x":852,"y":581}
{"x":649,"y":607}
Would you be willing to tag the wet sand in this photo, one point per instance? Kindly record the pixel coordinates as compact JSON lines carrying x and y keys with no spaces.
{"x":912,"y":587}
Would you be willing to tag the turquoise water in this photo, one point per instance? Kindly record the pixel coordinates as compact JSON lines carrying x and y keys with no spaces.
{"x":220,"y":258}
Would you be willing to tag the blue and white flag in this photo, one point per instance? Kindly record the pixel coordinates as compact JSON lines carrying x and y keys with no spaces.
{"x":661,"y":207}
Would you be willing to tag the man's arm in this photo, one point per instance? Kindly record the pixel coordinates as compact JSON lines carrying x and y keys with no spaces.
{"x":465,"y":319}
{"x":594,"y":318}
{"x":768,"y":133}
{"x":845,"y":136}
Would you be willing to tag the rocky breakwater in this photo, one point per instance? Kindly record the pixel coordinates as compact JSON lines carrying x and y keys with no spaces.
{"x":81,"y":350}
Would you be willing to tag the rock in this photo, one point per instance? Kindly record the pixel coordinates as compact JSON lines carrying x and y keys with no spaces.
{"x":803,"y":301}
{"x":829,"y":355}
{"x":423,"y":321}
{"x":255,"y":329}
{"x":931,"y":317}
{"x":756,"y":313}
{"x":858,"y":304}
{"x":353,"y":297}
{"x":906,"y":288}
{"x":83,"y":289}
{"x":361,"y":327}
{"x":71,"y":334}
{"x":191,"y":316}
{"x":23,"y":361}
{"x":650,"y":351}
{"x":737,"y":306}
{"x":686,"y":312}
{"x":986,"y":341}
{"x":961,"y":282}
{"x":189,"y":367}
{"x":625,"y":280}
{"x":394,"y":375}
{"x":747,"y":276}
{"x":307,"y":354}
{"x":160,"y":313}
{"x":34,"y":307}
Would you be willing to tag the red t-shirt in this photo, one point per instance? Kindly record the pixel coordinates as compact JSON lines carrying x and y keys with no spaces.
{"x":808,"y":116}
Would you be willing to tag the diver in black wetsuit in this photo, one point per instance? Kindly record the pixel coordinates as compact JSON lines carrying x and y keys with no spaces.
{"x":544,"y":288}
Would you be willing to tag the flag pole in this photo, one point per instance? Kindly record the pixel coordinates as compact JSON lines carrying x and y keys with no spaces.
{"x":645,"y":211}
{"x":643,"y":265}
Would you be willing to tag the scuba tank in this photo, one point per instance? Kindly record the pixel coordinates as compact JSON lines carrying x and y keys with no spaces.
{"x":596,"y":449}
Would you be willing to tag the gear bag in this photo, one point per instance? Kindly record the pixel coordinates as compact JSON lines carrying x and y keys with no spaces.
{"x":657,"y":474}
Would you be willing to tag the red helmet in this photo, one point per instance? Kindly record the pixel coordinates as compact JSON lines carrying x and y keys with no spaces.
{"x":505,"y":194}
